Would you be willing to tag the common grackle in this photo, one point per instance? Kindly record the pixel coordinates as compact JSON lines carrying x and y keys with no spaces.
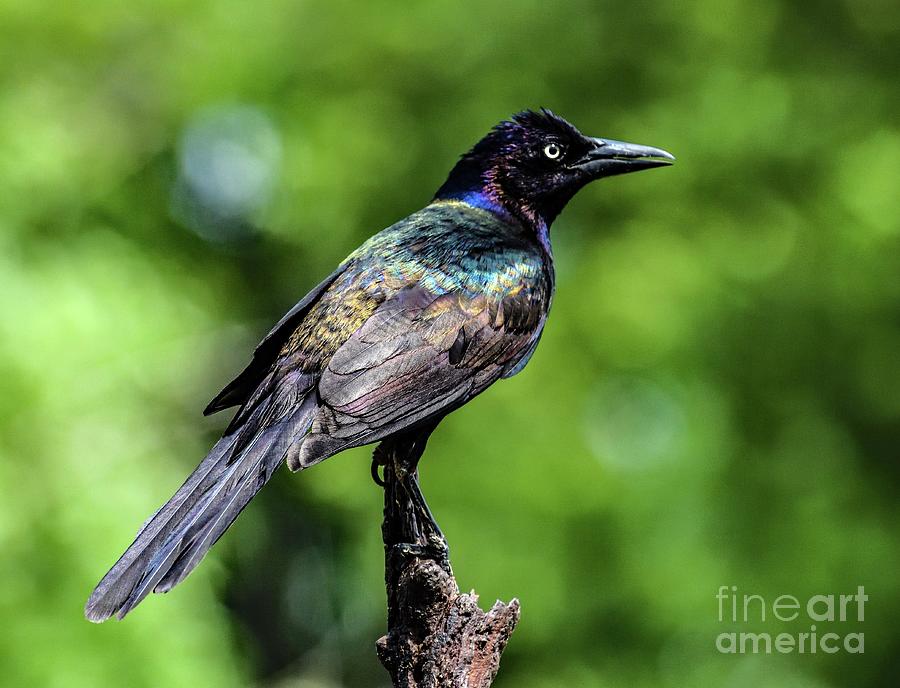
{"x":422,"y":317}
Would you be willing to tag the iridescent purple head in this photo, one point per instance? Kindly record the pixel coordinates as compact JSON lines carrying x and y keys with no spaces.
{"x":533,"y":164}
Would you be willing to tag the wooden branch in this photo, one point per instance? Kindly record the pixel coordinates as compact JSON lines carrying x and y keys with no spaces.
{"x":437,"y":636}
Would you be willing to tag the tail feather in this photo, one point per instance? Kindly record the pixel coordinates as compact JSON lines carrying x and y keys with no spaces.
{"x":175,"y":539}
{"x":207,"y":530}
{"x":115,"y":587}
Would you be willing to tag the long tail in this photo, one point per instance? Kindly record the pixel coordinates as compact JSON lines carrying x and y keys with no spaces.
{"x":174,"y":540}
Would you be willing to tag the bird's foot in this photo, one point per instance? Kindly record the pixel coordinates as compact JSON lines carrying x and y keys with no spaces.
{"x":435,"y":550}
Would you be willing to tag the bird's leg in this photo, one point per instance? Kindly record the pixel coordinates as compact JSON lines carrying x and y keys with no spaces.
{"x":420,"y":535}
{"x":430,"y":538}
{"x":410,"y":526}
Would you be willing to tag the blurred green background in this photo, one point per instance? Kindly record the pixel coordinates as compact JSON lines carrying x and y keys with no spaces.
{"x":715,"y":400}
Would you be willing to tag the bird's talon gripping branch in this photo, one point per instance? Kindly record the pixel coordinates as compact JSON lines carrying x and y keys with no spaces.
{"x":437,"y":542}
{"x":411,"y":549}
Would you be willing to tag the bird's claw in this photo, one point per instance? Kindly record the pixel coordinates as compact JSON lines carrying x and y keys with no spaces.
{"x":436,"y":550}
{"x":375,"y":476}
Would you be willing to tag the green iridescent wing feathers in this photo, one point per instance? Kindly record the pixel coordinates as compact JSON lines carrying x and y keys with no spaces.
{"x":418,"y":356}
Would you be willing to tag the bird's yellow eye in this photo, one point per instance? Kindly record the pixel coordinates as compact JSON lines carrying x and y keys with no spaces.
{"x":552,"y":151}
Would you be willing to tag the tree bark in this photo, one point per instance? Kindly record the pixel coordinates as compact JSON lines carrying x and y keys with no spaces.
{"x":437,"y":636}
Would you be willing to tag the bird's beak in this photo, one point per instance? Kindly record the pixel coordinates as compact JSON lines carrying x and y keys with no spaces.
{"x":609,"y":157}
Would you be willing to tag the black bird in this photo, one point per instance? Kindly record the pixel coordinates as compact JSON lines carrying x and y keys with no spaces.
{"x":421,"y":318}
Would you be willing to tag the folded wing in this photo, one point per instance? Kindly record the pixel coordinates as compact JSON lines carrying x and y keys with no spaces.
{"x":419,"y":356}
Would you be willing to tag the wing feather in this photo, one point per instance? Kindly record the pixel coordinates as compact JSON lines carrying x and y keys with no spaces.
{"x":405,"y":365}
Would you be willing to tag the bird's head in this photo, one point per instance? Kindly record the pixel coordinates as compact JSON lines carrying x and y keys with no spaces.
{"x":534,"y":163}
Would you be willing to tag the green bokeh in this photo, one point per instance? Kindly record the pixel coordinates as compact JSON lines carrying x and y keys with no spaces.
{"x":715,"y":400}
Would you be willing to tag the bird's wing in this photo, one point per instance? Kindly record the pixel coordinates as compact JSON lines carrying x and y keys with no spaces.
{"x":419,"y":355}
{"x":239,"y":390}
